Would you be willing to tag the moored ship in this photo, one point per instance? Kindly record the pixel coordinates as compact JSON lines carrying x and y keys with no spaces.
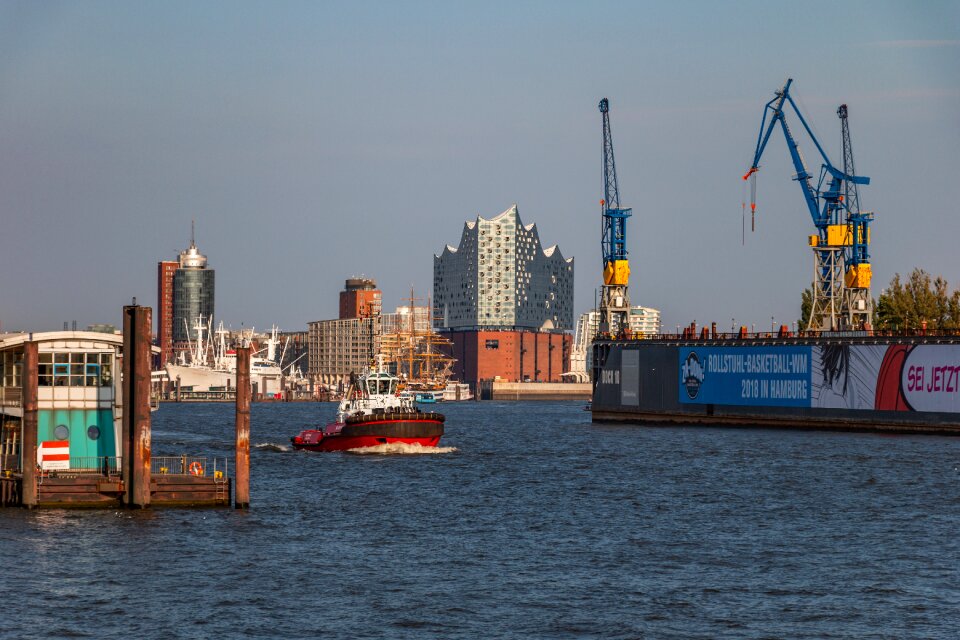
{"x":204,"y":371}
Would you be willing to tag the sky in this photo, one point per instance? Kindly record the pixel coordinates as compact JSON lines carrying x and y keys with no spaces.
{"x":317,"y":141}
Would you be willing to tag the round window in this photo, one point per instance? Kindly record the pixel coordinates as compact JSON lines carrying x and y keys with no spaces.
{"x":62,"y":432}
{"x":93,"y":432}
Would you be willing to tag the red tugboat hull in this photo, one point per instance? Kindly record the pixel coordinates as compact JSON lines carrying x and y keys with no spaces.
{"x":370,"y":431}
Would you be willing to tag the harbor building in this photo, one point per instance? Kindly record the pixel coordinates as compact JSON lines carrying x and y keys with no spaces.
{"x":193,"y":296}
{"x":505,"y":302}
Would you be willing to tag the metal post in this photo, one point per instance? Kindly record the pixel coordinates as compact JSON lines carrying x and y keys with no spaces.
{"x":28,"y":444}
{"x":242,"y":473}
{"x":136,"y":405}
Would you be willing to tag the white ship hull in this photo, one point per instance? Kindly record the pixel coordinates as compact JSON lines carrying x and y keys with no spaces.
{"x":267,"y":379}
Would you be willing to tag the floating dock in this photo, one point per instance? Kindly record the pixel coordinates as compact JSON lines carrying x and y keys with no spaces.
{"x":859,"y":381}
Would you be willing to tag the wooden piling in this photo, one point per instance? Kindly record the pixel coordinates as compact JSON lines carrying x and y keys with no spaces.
{"x":137,"y":323}
{"x":28,"y":445}
{"x":242,"y":472}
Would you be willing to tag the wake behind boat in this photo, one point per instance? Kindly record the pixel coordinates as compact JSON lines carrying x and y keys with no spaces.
{"x":370,"y":414}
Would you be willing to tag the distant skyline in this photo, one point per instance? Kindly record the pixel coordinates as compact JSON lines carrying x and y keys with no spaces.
{"x":312,"y":142}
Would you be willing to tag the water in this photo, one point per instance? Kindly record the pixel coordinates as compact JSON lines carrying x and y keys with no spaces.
{"x":535,"y":524}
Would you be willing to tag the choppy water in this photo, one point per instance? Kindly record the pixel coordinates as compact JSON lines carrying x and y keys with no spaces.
{"x":534,"y":524}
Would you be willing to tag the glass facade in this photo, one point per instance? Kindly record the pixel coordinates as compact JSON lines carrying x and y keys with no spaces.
{"x":193,"y":296}
{"x":500,"y":276}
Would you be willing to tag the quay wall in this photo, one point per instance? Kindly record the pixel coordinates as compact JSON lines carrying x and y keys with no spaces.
{"x":540,"y":391}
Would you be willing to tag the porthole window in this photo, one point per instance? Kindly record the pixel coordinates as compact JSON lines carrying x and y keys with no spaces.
{"x":61,"y":432}
{"x":93,"y":432}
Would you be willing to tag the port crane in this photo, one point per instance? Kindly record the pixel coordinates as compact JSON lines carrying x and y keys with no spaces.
{"x":614,"y":301}
{"x":842,"y":270}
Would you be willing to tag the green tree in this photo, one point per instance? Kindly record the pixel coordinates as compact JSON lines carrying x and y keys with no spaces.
{"x":906,"y":306}
{"x":806,"y":308}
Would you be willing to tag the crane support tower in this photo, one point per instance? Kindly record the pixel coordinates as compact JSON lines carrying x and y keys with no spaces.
{"x":614,"y":301}
{"x":842,"y":270}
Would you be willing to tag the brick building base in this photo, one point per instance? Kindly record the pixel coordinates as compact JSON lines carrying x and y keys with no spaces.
{"x":513,"y":356}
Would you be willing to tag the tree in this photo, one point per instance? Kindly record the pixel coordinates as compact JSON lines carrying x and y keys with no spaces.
{"x":918,"y":302}
{"x":806,"y":308}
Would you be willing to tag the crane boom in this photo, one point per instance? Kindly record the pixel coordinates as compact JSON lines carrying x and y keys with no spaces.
{"x":842,"y":267}
{"x":614,"y":301}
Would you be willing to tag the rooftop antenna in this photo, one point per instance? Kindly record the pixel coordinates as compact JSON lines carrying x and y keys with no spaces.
{"x":192,"y":235}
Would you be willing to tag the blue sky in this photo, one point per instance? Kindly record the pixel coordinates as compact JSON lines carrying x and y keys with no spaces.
{"x":317,"y":141}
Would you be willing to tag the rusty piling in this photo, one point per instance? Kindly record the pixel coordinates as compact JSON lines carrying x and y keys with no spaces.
{"x":136,"y":406}
{"x":28,"y":445}
{"x":242,"y":473}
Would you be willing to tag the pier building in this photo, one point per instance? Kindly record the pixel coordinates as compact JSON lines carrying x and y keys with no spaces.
{"x":505,"y":302}
{"x":78,"y":399}
{"x":75,"y":431}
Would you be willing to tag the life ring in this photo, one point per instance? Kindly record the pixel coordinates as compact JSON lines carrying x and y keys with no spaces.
{"x":196,"y":469}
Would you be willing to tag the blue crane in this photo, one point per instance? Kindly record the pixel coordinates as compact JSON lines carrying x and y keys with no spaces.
{"x":615,"y":304}
{"x":841,"y":290}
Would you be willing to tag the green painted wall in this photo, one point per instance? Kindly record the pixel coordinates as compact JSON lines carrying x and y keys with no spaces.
{"x":78,"y":422}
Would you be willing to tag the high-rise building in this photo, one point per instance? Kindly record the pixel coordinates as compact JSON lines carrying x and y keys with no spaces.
{"x":193,"y":296}
{"x":338,"y":348}
{"x":360,"y":298}
{"x":504,"y":302}
{"x":500,"y":277}
{"x":164,"y":335}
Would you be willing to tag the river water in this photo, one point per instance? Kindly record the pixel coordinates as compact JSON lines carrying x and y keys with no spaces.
{"x":534,"y":523}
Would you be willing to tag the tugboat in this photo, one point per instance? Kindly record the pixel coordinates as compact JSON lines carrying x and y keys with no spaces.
{"x":370,"y":414}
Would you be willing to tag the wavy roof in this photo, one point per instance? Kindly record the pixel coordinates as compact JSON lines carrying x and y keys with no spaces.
{"x":511,"y":212}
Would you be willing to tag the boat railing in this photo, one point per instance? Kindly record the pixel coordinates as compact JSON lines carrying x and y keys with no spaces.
{"x":184,"y":465}
{"x":100,"y":466}
{"x":93,"y":465}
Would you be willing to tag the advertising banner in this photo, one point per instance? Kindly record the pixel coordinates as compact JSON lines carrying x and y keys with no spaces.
{"x":881,"y":377}
{"x":753,"y":376}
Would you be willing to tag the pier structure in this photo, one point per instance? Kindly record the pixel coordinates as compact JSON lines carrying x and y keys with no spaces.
{"x":73,"y":433}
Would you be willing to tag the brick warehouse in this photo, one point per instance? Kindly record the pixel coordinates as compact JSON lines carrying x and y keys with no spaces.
{"x":512,"y":355}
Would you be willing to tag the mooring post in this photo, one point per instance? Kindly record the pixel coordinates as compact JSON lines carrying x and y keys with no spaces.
{"x":242,"y":480}
{"x":136,"y":405}
{"x":28,"y":444}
